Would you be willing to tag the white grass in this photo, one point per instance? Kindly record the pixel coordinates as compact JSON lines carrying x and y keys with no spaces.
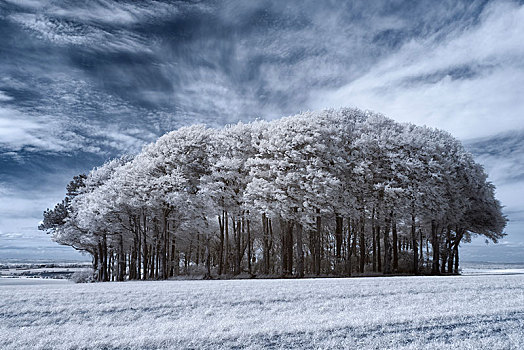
{"x":466,"y":312}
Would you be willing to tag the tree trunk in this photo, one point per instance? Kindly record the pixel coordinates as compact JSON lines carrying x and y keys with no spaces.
{"x":145,"y":256}
{"x":271,"y":266}
{"x":349,"y":250}
{"x":221,"y":247}
{"x":105,"y":265}
{"x":208,"y":259}
{"x":395,"y":243}
{"x":318,"y":247}
{"x":354,"y":243}
{"x":446,"y":251}
{"x":379,"y":255}
{"x":265,"y":238}
{"x":164,"y":245}
{"x":237,"y":230}
{"x":387,"y":247}
{"x":249,"y":243}
{"x":290,"y":248}
{"x":300,"y":252}
{"x":226,"y":246}
{"x":460,"y":234}
{"x":362,"y":244}
{"x":286,"y":228}
{"x":436,"y":251}
{"x":374,"y":260}
{"x":175,"y":263}
{"x":338,"y":238}
{"x":414,"y":243}
{"x":121,"y":260}
{"x":138,"y":252}
{"x":450,"y":257}
{"x":421,"y":245}
{"x":456,"y":253}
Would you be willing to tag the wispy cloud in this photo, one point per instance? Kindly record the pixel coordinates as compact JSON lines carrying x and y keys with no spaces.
{"x":502,"y":156}
{"x":456,"y":79}
{"x":4,"y":97}
{"x":65,"y":32}
{"x":17,"y":132}
{"x":101,"y":11}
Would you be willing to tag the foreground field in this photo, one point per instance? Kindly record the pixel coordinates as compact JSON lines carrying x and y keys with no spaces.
{"x":466,"y":312}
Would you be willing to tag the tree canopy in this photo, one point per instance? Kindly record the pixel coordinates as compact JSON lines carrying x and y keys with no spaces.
{"x":337,"y":192}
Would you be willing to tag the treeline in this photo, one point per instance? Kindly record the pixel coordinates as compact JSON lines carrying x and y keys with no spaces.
{"x":336,"y":193}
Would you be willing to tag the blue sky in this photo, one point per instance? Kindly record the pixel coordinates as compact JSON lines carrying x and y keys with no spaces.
{"x":83,"y":82}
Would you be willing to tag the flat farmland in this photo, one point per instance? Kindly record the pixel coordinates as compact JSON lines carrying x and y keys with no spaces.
{"x":452,"y":312}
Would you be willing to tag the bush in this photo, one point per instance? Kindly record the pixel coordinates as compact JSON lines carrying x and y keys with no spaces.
{"x":405,"y":262}
{"x":83,"y":276}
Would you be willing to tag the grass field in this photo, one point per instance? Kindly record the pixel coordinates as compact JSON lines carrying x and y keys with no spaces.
{"x":455,"y":312}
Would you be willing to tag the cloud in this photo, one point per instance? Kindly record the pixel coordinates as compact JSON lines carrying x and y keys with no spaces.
{"x":501,"y":155}
{"x":456,"y":79}
{"x":35,"y":134}
{"x":17,"y":132}
{"x":101,"y":11}
{"x":64,"y":32}
{"x":4,"y":97}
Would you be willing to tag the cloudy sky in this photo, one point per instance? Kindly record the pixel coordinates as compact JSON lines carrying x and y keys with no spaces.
{"x":81,"y":82}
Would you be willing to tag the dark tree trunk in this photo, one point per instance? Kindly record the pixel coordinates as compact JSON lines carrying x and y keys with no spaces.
{"x":265,"y":238}
{"x":362,"y":244}
{"x":318,"y":246}
{"x":105,"y":258}
{"x":349,"y":266}
{"x":387,"y":247}
{"x":249,"y":244}
{"x":237,"y":231}
{"x":95,"y":263}
{"x":145,"y":255}
{"x":271,"y":266}
{"x":436,"y":251}
{"x":456,"y":253}
{"x":164,"y":244}
{"x":138,"y":251}
{"x":421,"y":245}
{"x":121,"y":260}
{"x":208,"y":259}
{"x":197,"y":250}
{"x":355,"y":230}
{"x":283,"y":246}
{"x":313,"y":249}
{"x":300,"y":252}
{"x":286,"y":228}
{"x":414,"y":243}
{"x":451,"y":256}
{"x":289,"y":268}
{"x":221,"y":247}
{"x":379,"y":255}
{"x":226,"y":246}
{"x":174,"y":259}
{"x":374,"y":260}
{"x":338,"y":237}
{"x":395,"y":243}
{"x":446,"y":251}
{"x":459,"y":235}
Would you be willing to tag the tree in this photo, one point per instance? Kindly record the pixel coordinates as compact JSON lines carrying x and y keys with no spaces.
{"x":338,"y":187}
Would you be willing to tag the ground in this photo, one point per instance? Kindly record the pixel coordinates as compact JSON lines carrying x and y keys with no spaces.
{"x":453,"y":312}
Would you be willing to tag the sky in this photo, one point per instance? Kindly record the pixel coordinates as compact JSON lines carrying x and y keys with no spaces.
{"x":82,"y":82}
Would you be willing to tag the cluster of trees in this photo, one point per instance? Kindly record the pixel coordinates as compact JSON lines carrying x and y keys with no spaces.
{"x":337,"y":192}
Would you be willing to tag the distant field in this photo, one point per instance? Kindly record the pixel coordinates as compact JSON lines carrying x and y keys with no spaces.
{"x":460,"y":312}
{"x":46,"y":270}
